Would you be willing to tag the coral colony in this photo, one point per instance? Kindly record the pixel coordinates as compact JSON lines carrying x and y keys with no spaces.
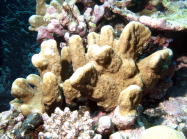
{"x":100,"y":70}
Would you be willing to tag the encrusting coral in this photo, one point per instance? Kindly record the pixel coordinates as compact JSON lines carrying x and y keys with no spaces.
{"x":46,"y":94}
{"x":111,"y":66}
{"x":150,"y":14}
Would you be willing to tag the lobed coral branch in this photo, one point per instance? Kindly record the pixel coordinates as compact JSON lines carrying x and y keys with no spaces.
{"x":109,"y":70}
{"x":46,"y":94}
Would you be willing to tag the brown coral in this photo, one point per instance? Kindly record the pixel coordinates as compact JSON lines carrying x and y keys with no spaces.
{"x":110,"y":66}
{"x":46,"y":94}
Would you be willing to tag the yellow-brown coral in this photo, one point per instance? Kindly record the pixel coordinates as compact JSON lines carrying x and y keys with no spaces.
{"x":46,"y":94}
{"x":110,"y":66}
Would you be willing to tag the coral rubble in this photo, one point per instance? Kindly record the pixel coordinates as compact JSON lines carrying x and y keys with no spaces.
{"x":14,"y":125}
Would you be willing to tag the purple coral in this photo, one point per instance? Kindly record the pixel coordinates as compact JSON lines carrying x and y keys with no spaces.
{"x":55,"y":27}
{"x":43,"y":34}
{"x":71,"y":19}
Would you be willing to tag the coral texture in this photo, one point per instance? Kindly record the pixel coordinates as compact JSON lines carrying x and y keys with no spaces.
{"x":105,"y":125}
{"x":69,"y":21}
{"x":122,"y":69}
{"x":10,"y":120}
{"x":110,"y":67}
{"x":37,"y":20}
{"x":46,"y":94}
{"x":68,"y":125}
{"x":13,"y":125}
{"x":149,"y":13}
{"x":158,"y":132}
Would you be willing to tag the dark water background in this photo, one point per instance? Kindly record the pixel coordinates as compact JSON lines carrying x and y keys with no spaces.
{"x":17,"y":45}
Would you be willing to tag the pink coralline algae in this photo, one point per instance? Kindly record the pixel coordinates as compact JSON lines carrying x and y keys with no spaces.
{"x":105,"y":125}
{"x":65,"y":17}
{"x":176,"y":107}
{"x":68,"y":125}
{"x":55,"y":27}
{"x":70,"y":21}
{"x":172,"y":113}
{"x":74,"y":20}
{"x":43,"y":34}
{"x":123,"y":122}
{"x":150,"y":15}
{"x":160,"y":24}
